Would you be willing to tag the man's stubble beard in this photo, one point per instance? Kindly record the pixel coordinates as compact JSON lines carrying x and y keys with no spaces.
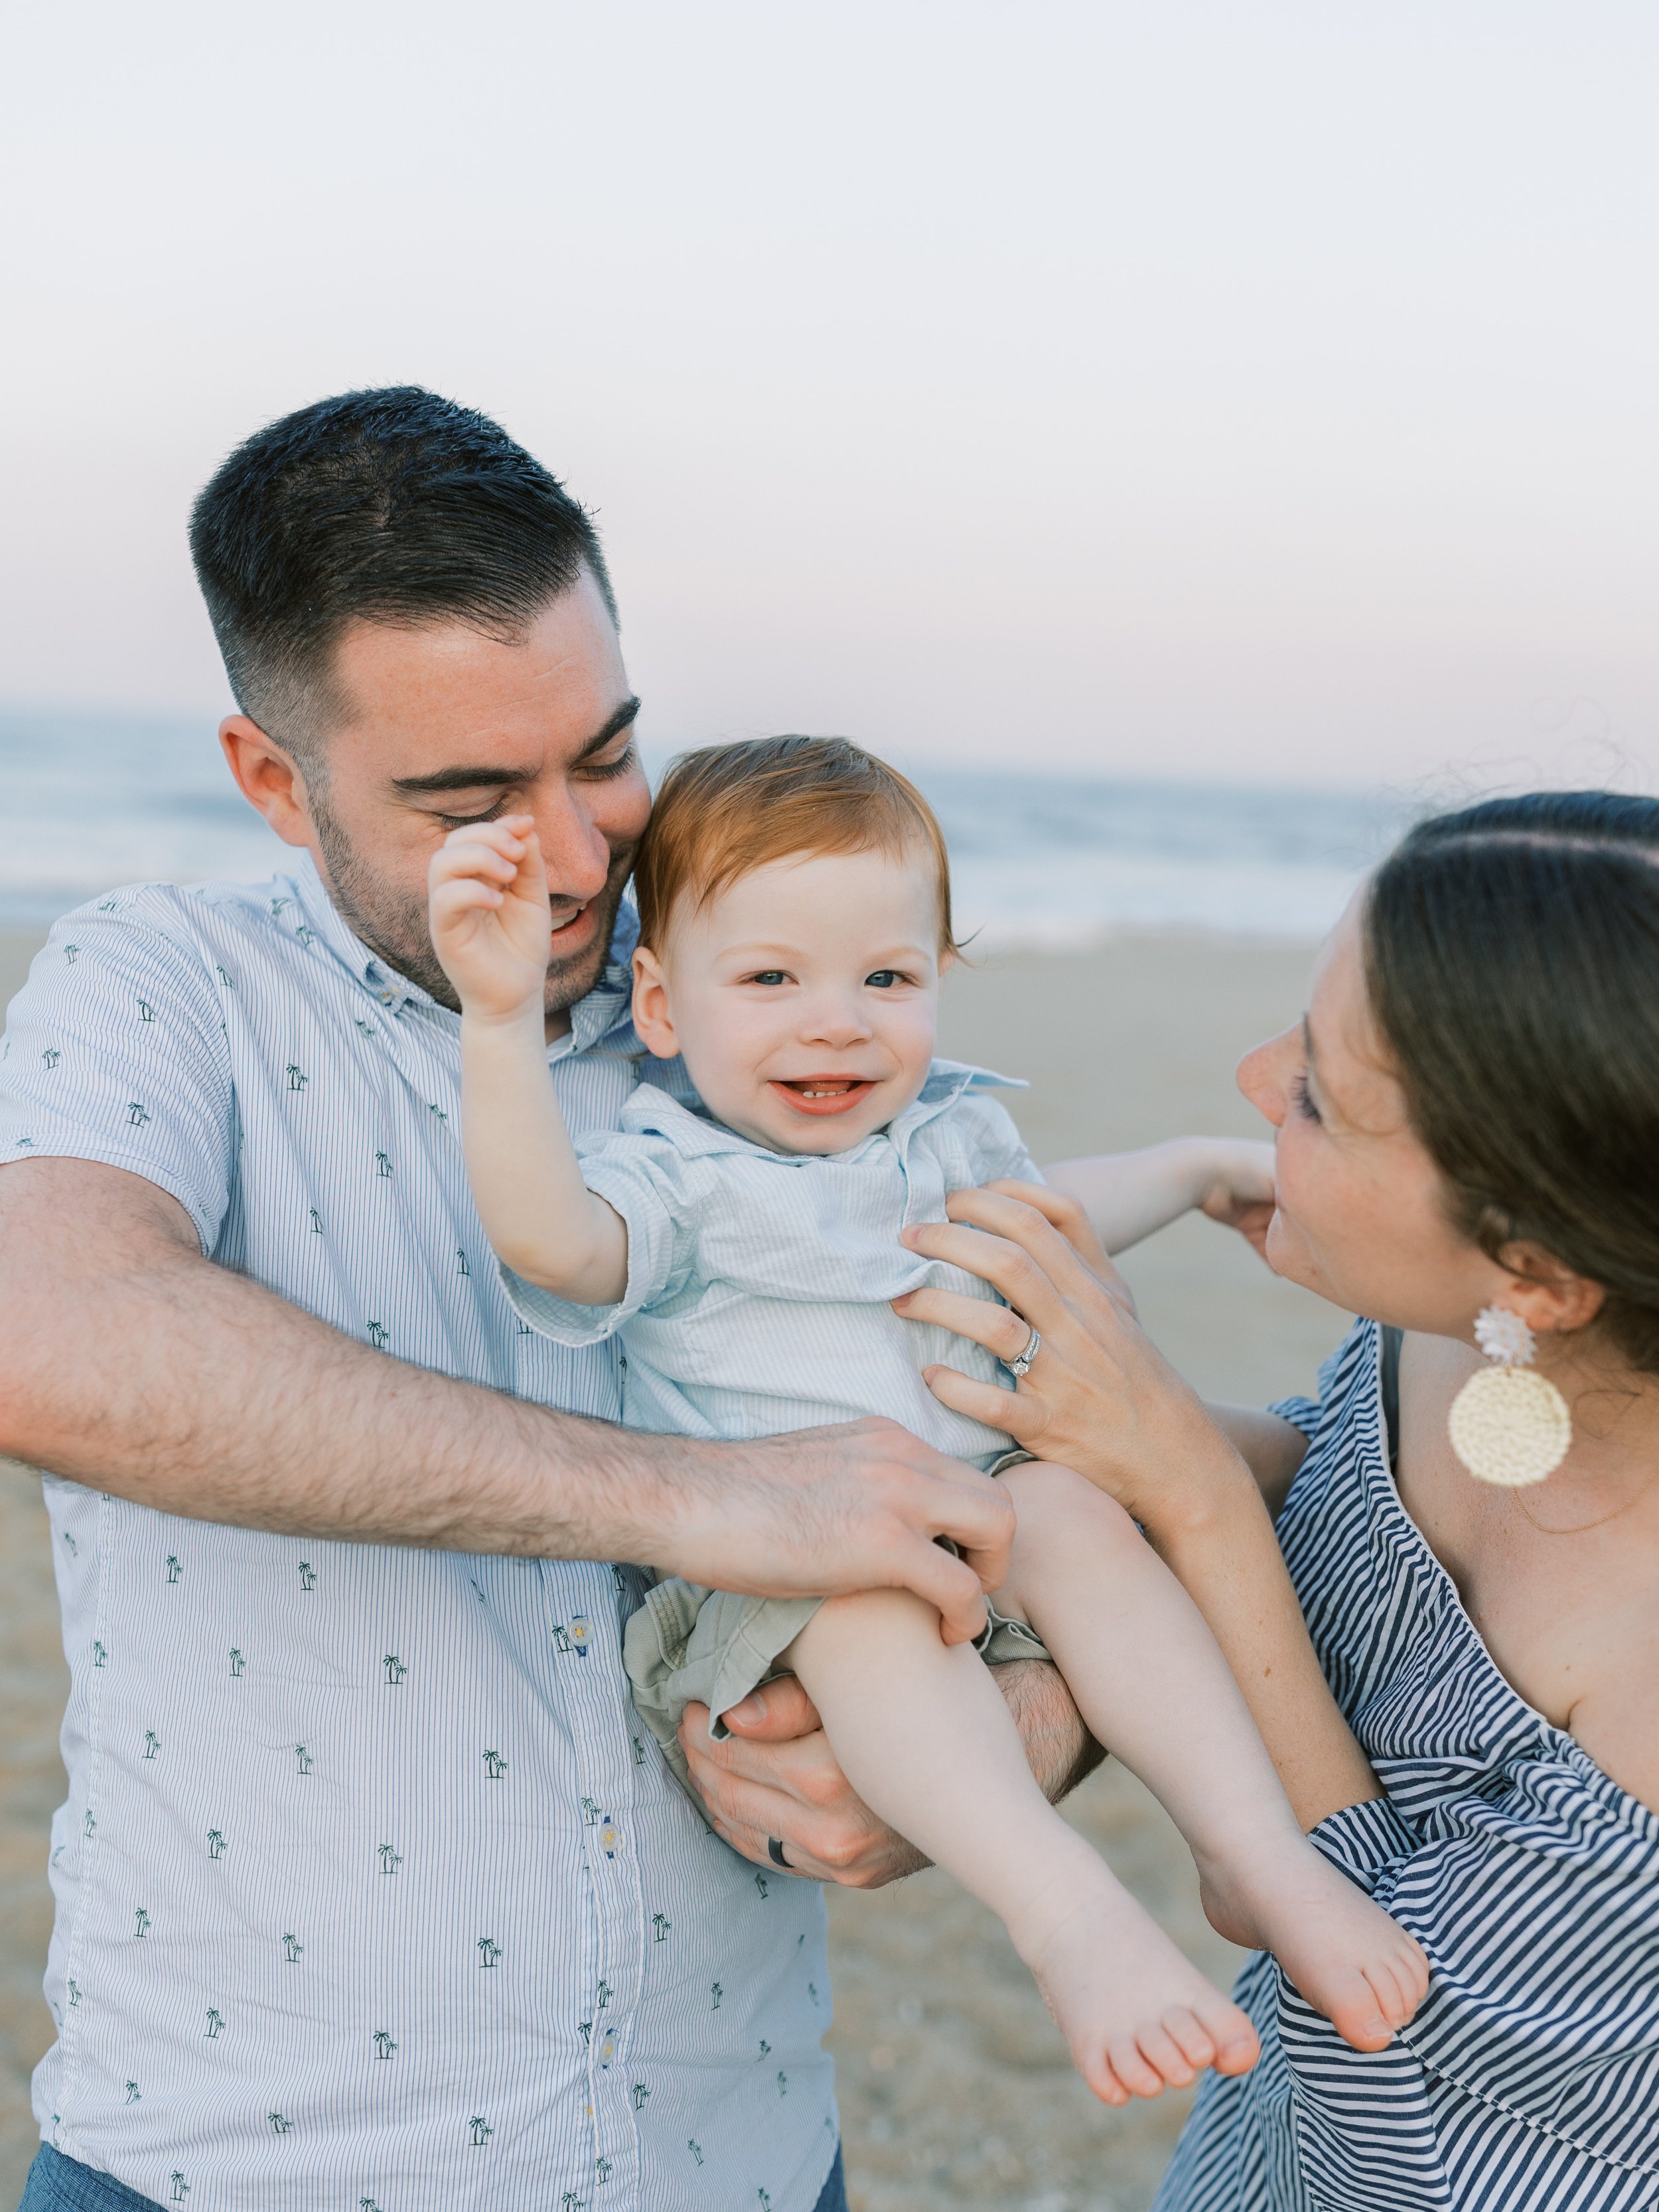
{"x":395,"y":929}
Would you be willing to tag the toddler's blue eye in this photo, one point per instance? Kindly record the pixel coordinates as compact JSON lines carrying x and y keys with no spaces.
{"x":884,"y":979}
{"x":768,"y":975}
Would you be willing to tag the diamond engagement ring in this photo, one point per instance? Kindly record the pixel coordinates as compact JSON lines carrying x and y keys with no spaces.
{"x":1022,"y":1364}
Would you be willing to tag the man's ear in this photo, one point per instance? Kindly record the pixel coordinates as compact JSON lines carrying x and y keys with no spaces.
{"x":1550,"y":1298}
{"x":269,"y":779}
{"x":651,"y":1015}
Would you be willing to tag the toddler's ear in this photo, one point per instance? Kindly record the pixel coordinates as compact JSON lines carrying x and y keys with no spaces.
{"x":651,"y":1015}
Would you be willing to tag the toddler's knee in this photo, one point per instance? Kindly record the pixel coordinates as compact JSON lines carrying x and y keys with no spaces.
{"x":1053,"y":1504}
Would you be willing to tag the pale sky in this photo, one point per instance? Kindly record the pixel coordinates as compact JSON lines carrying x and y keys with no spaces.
{"x":1257,"y":392}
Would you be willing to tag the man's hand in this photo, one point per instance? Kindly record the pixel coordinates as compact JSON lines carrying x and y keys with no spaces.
{"x":819,"y":1511}
{"x":776,"y":1776}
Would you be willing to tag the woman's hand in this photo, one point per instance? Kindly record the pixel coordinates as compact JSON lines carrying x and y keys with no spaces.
{"x":1101,"y":1399}
{"x":1098,"y":1397}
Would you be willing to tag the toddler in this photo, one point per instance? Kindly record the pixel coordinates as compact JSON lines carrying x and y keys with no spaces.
{"x":794,"y":907}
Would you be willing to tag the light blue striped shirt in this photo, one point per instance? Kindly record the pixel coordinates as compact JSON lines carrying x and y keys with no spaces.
{"x":372,"y":1894}
{"x":759,"y":1282}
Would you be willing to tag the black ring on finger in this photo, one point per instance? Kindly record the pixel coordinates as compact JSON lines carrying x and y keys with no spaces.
{"x":774,"y":1852}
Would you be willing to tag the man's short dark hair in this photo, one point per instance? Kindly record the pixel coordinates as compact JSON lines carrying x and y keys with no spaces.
{"x":393,"y":506}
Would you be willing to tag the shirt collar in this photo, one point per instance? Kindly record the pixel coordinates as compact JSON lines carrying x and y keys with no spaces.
{"x":697,"y":1134}
{"x":302,"y":908}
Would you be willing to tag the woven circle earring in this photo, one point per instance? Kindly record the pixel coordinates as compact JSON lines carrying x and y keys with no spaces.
{"x":1509,"y":1424}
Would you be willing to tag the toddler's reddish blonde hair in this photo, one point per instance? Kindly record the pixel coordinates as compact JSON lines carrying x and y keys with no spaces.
{"x":728,"y":810}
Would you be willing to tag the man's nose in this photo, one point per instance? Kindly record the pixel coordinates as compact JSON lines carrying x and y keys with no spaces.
{"x":574,"y":848}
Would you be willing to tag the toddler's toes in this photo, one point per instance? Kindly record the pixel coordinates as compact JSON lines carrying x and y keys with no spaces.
{"x":1165,"y":2054}
{"x":1097,"y":2073}
{"x":1196,"y":2044}
{"x":1138,"y":2078}
{"x":1355,"y":2010}
{"x":1237,"y":2046}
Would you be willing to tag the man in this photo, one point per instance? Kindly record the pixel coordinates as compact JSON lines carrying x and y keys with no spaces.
{"x":370,"y":1890}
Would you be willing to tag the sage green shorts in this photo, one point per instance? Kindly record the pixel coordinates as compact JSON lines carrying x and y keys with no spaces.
{"x":689,"y":1644}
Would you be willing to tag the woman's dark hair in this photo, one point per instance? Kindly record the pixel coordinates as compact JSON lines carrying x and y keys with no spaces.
{"x":1512,"y":961}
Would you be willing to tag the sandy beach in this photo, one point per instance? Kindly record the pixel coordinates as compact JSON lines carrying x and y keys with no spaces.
{"x":957,"y":2093}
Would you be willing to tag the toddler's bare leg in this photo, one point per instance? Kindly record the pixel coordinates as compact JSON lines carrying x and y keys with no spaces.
{"x":923,"y":1735}
{"x":1150,"y":1679}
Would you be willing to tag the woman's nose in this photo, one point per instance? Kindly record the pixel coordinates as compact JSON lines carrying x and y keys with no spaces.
{"x":1263,"y":1075}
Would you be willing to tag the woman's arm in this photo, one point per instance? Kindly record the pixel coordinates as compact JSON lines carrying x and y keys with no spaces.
{"x":1101,"y":1399}
{"x":1271,"y":1447}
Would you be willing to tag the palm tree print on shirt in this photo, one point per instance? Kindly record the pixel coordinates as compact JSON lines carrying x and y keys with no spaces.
{"x":489,"y":1951}
{"x":383,"y":2046}
{"x":152,"y":1743}
{"x":391,"y":1859}
{"x":297,"y":1078}
{"x":482,"y":2131}
{"x":280,"y":2124}
{"x":303,"y":1759}
{"x":379,"y":1335}
{"x":180,"y":2188}
{"x":142,"y":1924}
{"x":395,"y":1669}
{"x":661,"y":1927}
{"x":294,"y":1949}
{"x":216,"y":2021}
{"x":307,"y":1576}
{"x":173,"y":1568}
{"x":495,"y":1765}
{"x":216,"y":1843}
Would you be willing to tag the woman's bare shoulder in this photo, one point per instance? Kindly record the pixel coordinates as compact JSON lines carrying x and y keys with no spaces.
{"x":1561,"y":1580}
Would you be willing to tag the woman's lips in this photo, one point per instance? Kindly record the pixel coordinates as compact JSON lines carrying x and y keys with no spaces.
{"x":824,"y":1094}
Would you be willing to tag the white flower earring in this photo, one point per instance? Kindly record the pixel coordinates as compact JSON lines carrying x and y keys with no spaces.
{"x":1509,"y":1424}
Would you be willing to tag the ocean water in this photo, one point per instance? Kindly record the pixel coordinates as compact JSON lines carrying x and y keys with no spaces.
{"x":1039,"y":858}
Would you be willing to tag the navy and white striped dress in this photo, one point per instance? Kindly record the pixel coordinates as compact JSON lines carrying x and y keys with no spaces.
{"x":1530,"y":2077}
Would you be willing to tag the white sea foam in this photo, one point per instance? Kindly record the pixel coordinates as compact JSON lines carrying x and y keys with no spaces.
{"x":89,"y":802}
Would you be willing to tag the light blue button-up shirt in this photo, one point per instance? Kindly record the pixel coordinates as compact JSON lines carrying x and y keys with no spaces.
{"x":759,"y":1282}
{"x":372,"y":1895}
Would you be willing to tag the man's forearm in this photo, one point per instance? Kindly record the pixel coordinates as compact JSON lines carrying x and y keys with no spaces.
{"x":132,"y":1363}
{"x":160,"y":1377}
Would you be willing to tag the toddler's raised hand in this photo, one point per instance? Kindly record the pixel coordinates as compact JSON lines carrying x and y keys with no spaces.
{"x":1238,"y":1189}
{"x":491,"y":926}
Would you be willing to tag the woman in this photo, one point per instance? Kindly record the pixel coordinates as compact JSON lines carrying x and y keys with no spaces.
{"x":1458,"y":1682}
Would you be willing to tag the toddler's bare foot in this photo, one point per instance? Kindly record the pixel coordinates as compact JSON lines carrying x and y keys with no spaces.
{"x":1138,"y":2015}
{"x":1345,"y":1954}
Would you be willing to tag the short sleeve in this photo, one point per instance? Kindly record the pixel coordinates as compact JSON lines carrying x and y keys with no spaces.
{"x":652,"y":1185}
{"x":996,"y":1150}
{"x":115,"y":1051}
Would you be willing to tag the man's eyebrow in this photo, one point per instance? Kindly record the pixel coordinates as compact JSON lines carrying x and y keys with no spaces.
{"x":466,"y":777}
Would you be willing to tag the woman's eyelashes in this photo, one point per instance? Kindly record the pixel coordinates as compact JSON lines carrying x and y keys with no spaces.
{"x":1302,"y":1097}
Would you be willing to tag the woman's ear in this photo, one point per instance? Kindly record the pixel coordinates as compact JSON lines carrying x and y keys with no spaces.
{"x":1550,"y":1298}
{"x":651,"y":1015}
